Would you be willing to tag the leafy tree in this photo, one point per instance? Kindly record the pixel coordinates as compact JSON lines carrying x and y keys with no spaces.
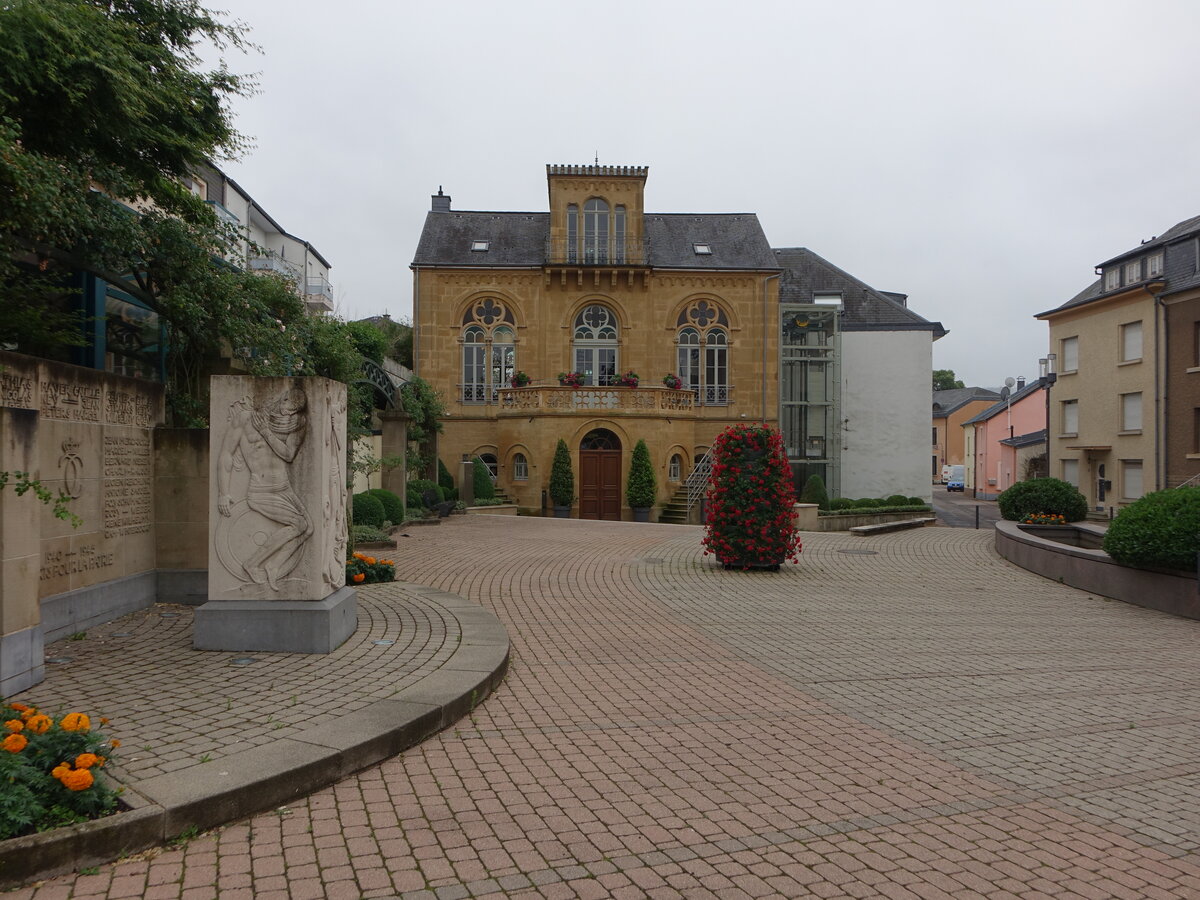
{"x":944,"y":380}
{"x":111,"y":94}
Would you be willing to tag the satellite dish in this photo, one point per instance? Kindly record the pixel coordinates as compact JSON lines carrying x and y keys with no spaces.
{"x":1010,"y":381}
{"x":1004,"y":392}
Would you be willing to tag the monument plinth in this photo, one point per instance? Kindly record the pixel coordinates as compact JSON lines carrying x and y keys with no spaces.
{"x":277,"y":517}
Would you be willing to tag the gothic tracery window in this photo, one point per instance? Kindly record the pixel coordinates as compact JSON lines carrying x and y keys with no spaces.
{"x":702,"y":352}
{"x":594,"y":341}
{"x":489,"y":351}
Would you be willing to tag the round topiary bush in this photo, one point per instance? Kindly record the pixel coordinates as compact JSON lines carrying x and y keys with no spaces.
{"x":1042,"y":495}
{"x":367,"y":510}
{"x":840,"y":503}
{"x":393,"y":509}
{"x":1161,"y":530}
{"x":897,"y":500}
{"x":814,"y":492}
{"x":414,"y":493}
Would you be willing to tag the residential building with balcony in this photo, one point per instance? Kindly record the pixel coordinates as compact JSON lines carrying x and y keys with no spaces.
{"x":597,"y":288}
{"x":1125,"y":417}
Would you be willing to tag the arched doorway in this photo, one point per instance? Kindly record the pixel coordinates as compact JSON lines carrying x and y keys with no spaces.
{"x":600,"y":475}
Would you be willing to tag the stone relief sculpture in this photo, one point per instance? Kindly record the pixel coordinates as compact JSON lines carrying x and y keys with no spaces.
{"x":267,"y":530}
{"x":335,"y":499}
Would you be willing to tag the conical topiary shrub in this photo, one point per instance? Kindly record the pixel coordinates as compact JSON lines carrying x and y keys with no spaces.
{"x":641,"y":490}
{"x":562,"y":480}
{"x":481,"y":480}
{"x":750,"y":497}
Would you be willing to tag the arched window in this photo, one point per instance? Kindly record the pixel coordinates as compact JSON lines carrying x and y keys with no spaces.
{"x":474,"y":383}
{"x":689,"y":359}
{"x":595,"y":231}
{"x":675,"y":469}
{"x":618,"y":242}
{"x":489,"y":350}
{"x":702,"y":352}
{"x":716,"y":367}
{"x":572,"y":233}
{"x":493,"y":466}
{"x":504,"y":356}
{"x":595,"y":345}
{"x":520,"y":467}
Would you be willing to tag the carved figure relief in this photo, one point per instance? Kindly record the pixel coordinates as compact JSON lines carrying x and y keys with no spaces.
{"x":335,"y":497}
{"x":261,"y":536}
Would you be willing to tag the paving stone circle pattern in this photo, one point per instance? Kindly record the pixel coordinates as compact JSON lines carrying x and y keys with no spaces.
{"x":925,"y":722}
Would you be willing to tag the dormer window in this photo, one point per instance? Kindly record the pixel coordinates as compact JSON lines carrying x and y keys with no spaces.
{"x":704,"y":249}
{"x":1154,"y":265}
{"x":1112,"y":278}
{"x":1133,"y":272}
{"x":480,"y":246}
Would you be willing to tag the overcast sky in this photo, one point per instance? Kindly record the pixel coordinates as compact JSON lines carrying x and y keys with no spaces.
{"x":981,"y":158}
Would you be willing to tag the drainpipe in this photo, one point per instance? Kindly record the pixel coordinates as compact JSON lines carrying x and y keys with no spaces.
{"x":766,"y":339}
{"x":1161,"y":408}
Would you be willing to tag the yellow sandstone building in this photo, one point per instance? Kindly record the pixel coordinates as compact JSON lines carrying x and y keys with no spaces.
{"x":674,"y":327}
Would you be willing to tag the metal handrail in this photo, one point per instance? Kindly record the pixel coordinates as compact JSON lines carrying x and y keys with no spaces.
{"x":1195,"y":479}
{"x":612,"y":251}
{"x":697,"y":480}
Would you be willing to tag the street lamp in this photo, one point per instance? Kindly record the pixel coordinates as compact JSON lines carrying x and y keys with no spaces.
{"x":1049,"y":376}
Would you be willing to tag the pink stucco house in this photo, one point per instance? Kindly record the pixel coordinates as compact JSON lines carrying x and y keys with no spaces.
{"x":1007,"y":434}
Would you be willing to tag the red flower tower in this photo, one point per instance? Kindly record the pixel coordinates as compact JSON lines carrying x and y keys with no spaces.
{"x":750,"y":498}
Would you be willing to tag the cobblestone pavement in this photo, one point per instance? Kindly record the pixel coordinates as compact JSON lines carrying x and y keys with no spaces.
{"x":900,"y":716}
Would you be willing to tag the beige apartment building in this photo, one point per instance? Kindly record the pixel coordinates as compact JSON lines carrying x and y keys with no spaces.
{"x":1125,"y":410}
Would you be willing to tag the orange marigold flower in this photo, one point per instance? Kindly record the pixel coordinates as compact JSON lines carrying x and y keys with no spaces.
{"x":78,"y":780}
{"x":60,"y":770}
{"x":115,"y":743}
{"x":359,"y":578}
{"x":19,"y":707}
{"x":86,"y":760}
{"x":39,"y":724}
{"x":14,"y":725}
{"x":75,"y":722}
{"x":104,"y":720}
{"x":370,"y":560}
{"x":14,"y":743}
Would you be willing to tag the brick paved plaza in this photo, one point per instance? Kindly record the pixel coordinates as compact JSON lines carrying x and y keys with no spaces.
{"x":900,"y":716}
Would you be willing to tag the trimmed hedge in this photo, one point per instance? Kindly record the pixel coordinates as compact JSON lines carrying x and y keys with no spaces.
{"x":393,"y":509}
{"x":1161,"y":530}
{"x":876,"y":510}
{"x":367,"y":510}
{"x":1042,"y":495}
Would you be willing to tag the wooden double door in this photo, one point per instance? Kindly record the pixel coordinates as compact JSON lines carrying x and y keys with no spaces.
{"x":600,"y":476}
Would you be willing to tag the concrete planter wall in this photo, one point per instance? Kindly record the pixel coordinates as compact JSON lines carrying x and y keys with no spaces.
{"x":845,"y":523}
{"x":1072,"y":559}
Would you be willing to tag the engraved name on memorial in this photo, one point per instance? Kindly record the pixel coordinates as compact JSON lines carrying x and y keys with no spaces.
{"x":128,"y":472}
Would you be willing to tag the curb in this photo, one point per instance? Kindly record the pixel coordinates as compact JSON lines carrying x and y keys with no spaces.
{"x":243,"y":784}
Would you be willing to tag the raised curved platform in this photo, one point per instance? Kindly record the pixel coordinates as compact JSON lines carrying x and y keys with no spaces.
{"x":1062,"y":554}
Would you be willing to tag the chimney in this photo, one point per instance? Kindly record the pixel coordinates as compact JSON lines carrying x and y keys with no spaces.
{"x":441,"y":202}
{"x":1020,"y":378}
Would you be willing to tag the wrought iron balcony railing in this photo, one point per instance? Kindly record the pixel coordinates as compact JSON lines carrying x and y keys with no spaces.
{"x":555,"y":398}
{"x":609,"y":252}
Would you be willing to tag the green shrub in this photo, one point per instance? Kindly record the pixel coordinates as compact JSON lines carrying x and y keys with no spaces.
{"x":481,"y":480}
{"x":367,"y":534}
{"x":415,"y":512}
{"x":641,"y":490}
{"x":840,"y":503}
{"x":367,"y":510}
{"x":1042,"y":495}
{"x":562,"y":476}
{"x":814,"y":492}
{"x":393,"y":509}
{"x":1161,"y":530}
{"x":446,"y":482}
{"x":915,"y":501}
{"x":896,"y":500}
{"x":414,"y":493}
{"x":868,"y":503}
{"x":363,"y":568}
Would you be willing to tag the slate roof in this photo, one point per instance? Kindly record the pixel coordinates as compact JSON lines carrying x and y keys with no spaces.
{"x":863,"y":308}
{"x":1180,"y":271}
{"x":1026,"y":440}
{"x":946,"y":402}
{"x":519,"y":239}
{"x":1002,"y":405}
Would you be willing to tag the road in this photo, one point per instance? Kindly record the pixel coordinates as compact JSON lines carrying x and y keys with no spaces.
{"x":958,"y":510}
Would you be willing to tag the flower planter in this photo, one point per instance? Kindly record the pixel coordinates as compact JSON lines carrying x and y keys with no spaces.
{"x":562,"y":512}
{"x":641,"y":513}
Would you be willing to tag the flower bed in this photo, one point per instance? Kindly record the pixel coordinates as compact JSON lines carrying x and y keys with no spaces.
{"x":364,"y":569}
{"x":50,"y":771}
